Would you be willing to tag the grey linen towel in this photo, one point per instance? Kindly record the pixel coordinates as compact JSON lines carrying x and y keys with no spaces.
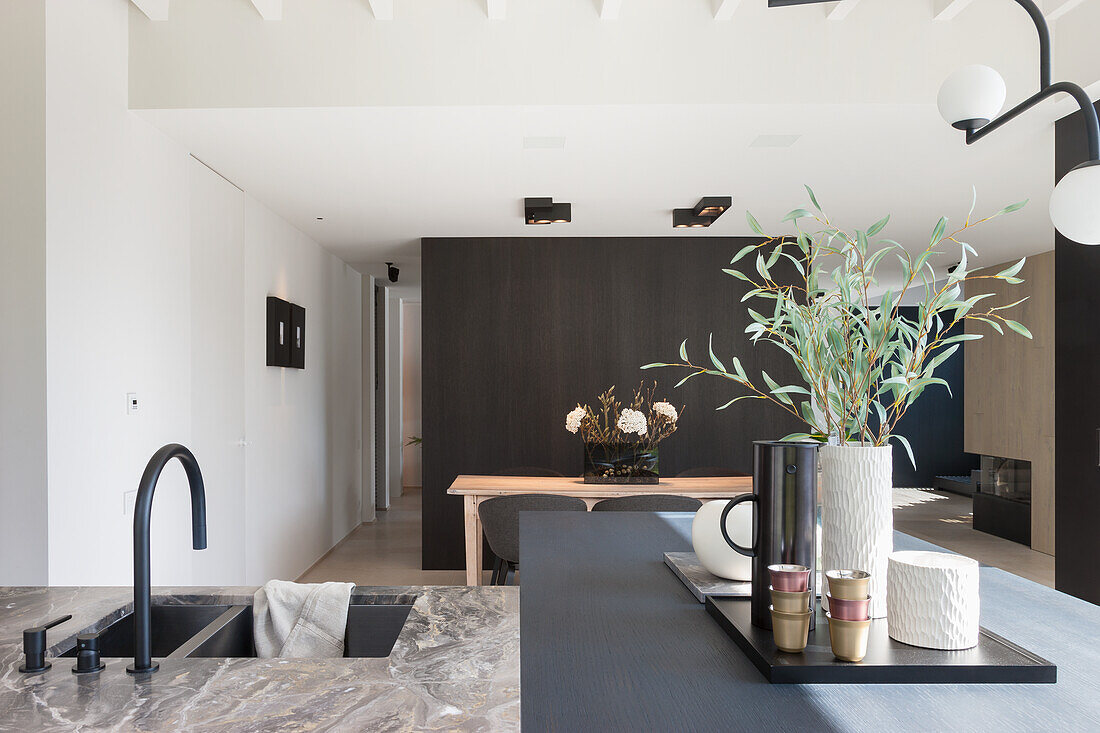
{"x":300,"y":619}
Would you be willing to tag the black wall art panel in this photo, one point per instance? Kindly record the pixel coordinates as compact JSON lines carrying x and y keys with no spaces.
{"x":286,"y":334}
{"x":517,"y":331}
{"x":297,"y":336}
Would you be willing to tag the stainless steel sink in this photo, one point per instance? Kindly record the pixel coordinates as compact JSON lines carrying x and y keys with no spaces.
{"x":195,"y":631}
{"x":172,"y":627}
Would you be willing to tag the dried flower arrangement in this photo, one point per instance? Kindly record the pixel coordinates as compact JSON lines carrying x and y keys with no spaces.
{"x":621,"y":442}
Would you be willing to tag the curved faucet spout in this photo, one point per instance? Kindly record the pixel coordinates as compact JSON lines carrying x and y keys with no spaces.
{"x":143,"y":509}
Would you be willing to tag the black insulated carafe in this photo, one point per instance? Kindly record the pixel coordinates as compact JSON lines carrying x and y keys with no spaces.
{"x":784,"y":518}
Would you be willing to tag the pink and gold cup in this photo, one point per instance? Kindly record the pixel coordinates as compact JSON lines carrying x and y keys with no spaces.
{"x":790,"y":578}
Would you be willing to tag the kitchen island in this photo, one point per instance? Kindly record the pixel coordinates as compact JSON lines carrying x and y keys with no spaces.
{"x":613,"y":641}
{"x":455,"y":665}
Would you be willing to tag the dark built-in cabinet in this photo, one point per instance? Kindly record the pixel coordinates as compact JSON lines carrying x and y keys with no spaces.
{"x":1077,"y":394}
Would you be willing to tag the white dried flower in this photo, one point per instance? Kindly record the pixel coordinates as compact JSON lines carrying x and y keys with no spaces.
{"x":574,"y":418}
{"x":664,"y":409}
{"x":632,"y":421}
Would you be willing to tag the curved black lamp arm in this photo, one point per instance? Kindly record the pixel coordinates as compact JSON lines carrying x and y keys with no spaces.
{"x":143,"y":509}
{"x":1092,"y":125}
{"x":1044,"y":40}
{"x":1046,"y":89}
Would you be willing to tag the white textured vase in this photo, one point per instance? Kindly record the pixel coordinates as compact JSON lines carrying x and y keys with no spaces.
{"x":934,"y":600}
{"x":857,"y":519}
{"x":713,"y":551}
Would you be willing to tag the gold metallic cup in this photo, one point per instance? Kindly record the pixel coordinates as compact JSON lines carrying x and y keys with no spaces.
{"x":848,"y":585}
{"x":790,"y":601}
{"x":790,"y":630}
{"x":849,"y":638}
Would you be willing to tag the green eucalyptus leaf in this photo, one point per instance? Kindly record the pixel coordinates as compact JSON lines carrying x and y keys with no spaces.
{"x":714,"y":359}
{"x":1010,"y":271}
{"x":742,"y":252}
{"x":738,"y":399}
{"x":754,"y":224}
{"x":686,"y":378}
{"x":1011,"y":207}
{"x":813,"y":199}
{"x":937,"y":233}
{"x":684,"y":350}
{"x":1018,"y":328}
{"x":878,"y":226}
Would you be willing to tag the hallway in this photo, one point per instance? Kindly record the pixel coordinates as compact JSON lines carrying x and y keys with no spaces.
{"x":384,"y":552}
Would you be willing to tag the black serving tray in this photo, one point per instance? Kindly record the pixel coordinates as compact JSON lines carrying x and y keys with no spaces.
{"x":993,"y":660}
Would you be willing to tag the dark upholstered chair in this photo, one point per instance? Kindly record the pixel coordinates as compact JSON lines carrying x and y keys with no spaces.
{"x":528,"y":471}
{"x":648,"y":503}
{"x":709,"y":472}
{"x":500,"y":522}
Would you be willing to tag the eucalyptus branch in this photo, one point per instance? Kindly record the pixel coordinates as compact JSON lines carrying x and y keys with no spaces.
{"x":862,"y":362}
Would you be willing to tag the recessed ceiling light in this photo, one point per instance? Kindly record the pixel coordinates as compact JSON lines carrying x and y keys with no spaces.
{"x":320,"y":218}
{"x":543,"y":210}
{"x":774,"y":141}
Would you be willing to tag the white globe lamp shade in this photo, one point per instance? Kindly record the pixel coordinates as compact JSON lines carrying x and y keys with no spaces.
{"x":971,"y":97}
{"x":712,"y":550}
{"x":1075,"y":204}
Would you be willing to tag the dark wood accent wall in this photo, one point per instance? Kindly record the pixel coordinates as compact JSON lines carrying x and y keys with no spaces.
{"x":1077,"y":393}
{"x":933,"y":425}
{"x":517,"y":331}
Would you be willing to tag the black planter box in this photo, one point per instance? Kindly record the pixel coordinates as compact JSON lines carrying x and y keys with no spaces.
{"x":620,"y":463}
{"x":993,"y":660}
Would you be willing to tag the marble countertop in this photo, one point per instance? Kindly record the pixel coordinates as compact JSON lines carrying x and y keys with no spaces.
{"x":455,"y":666}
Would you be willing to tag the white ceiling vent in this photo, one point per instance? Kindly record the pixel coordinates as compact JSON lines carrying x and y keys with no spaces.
{"x":774,"y":141}
{"x":543,"y":143}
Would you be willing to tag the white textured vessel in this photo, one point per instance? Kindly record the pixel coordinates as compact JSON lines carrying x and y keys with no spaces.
{"x":857,"y":516}
{"x":933,"y":600}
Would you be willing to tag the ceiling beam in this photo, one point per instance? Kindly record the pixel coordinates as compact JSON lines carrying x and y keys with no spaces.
{"x":382,"y":9}
{"x":609,"y":9}
{"x":153,"y":9}
{"x":841,"y":9}
{"x":724,"y":9}
{"x":269,"y":9}
{"x":948,"y":9}
{"x":1055,"y":9}
{"x":495,"y":9}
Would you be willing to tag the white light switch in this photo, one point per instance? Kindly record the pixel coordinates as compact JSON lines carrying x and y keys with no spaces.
{"x":128,"y":499}
{"x":131,"y":403}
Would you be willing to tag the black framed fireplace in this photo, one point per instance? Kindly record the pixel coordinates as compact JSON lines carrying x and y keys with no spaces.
{"x":1002,"y":502}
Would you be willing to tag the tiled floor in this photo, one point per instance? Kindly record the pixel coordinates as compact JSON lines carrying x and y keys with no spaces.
{"x":387,"y":552}
{"x":384,"y":552}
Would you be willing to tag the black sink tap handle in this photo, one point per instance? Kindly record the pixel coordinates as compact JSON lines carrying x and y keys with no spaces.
{"x":87,"y":654}
{"x":34,"y":646}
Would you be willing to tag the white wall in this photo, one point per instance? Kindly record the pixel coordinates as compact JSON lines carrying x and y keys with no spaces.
{"x":303,"y":467}
{"x":117,"y":304}
{"x":23,"y":505}
{"x":411,"y":415}
{"x":367,"y":504}
{"x":156,"y":275}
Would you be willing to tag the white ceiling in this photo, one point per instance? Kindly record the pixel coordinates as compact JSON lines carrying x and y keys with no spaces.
{"x":393,"y":130}
{"x":382,"y":178}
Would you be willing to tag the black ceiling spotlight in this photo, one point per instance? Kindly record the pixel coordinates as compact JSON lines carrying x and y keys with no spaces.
{"x":543,"y":210}
{"x":703,"y":215}
{"x":971,"y":100}
{"x":392,"y":272}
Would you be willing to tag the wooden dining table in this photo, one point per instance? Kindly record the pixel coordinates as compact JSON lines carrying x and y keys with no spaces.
{"x":475,"y":489}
